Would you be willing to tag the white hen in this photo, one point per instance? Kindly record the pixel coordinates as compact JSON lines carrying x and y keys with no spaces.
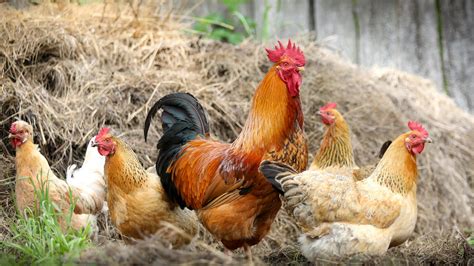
{"x":90,"y":177}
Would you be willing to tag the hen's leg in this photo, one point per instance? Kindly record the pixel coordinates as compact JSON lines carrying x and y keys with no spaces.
{"x":248,"y":252}
{"x":228,"y":252}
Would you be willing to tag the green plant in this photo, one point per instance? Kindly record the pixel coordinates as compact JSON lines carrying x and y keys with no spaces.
{"x":232,"y":27}
{"x":265,"y":29}
{"x":470,"y":240}
{"x":38,"y":237}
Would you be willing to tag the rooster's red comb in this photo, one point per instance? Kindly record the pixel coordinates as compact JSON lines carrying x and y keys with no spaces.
{"x":413,"y":125}
{"x":103,"y":131}
{"x":291,"y":51}
{"x":328,"y":106}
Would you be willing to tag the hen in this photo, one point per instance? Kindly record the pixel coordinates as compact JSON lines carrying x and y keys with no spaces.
{"x":90,"y":177}
{"x":221,"y":181}
{"x":335,"y":153}
{"x":138,"y":205}
{"x":340,"y":216}
{"x":33,"y":173}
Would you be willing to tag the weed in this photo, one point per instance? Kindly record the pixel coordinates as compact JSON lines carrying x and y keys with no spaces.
{"x":37,"y":236}
{"x":232,"y":27}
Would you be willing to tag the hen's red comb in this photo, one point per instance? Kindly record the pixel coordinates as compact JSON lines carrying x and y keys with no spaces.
{"x":328,"y":106}
{"x":103,"y":131}
{"x":418,"y":127}
{"x":291,"y":51}
{"x":13,"y":127}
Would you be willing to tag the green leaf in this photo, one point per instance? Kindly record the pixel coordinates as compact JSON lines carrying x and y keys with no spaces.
{"x":233,"y":5}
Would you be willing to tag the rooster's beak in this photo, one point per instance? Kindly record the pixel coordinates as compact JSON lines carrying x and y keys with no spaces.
{"x":318,"y":112}
{"x":300,"y":69}
{"x":94,"y":143}
{"x":10,"y":135}
{"x":429,"y":140}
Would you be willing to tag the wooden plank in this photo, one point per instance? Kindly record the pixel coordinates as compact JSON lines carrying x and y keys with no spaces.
{"x":418,"y":40}
{"x":378,"y":32}
{"x":458,"y":41}
{"x":400,"y":34}
{"x":335,"y":24}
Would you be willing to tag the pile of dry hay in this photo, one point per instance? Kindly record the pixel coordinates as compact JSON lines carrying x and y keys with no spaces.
{"x":72,"y":71}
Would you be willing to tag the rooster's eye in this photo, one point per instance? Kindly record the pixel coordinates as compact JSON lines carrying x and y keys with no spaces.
{"x":285,"y":64}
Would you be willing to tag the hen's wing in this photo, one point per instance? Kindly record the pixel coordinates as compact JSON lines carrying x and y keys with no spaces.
{"x":315,"y":197}
{"x":84,"y":201}
{"x":208,"y":170}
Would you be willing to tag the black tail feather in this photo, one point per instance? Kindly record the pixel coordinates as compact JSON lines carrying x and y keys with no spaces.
{"x":384,"y":148}
{"x":182,"y":119}
{"x":178,"y":107}
{"x":273,"y":169}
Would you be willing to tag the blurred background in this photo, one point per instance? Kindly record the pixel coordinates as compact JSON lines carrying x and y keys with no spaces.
{"x":431,"y":38}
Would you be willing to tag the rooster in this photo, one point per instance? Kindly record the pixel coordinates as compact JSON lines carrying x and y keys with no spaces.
{"x":340,"y":216}
{"x":335,"y":153}
{"x":221,"y":181}
{"x":138,"y":205}
{"x":90,"y":177}
{"x":33,"y":172}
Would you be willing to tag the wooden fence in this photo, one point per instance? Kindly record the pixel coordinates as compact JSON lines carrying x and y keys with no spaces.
{"x":431,"y":38}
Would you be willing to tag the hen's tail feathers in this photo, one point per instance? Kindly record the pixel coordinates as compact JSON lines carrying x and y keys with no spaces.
{"x":70,"y":172}
{"x":277,"y":173}
{"x":182,"y":119}
{"x":384,"y":148}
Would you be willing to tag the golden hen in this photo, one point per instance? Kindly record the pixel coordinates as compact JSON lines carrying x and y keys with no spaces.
{"x":138,"y":205}
{"x":335,"y":153}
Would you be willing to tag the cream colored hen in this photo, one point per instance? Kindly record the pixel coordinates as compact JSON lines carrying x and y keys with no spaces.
{"x":33,"y":172}
{"x":340,"y":216}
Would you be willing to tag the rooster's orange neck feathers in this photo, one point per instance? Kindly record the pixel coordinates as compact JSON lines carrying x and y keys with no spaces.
{"x":336,"y":146}
{"x":273,"y":116}
{"x":397,"y":169}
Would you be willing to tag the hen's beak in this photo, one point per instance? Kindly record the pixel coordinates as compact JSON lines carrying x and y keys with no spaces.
{"x":300,"y":69}
{"x":429,"y":140}
{"x":318,"y":112}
